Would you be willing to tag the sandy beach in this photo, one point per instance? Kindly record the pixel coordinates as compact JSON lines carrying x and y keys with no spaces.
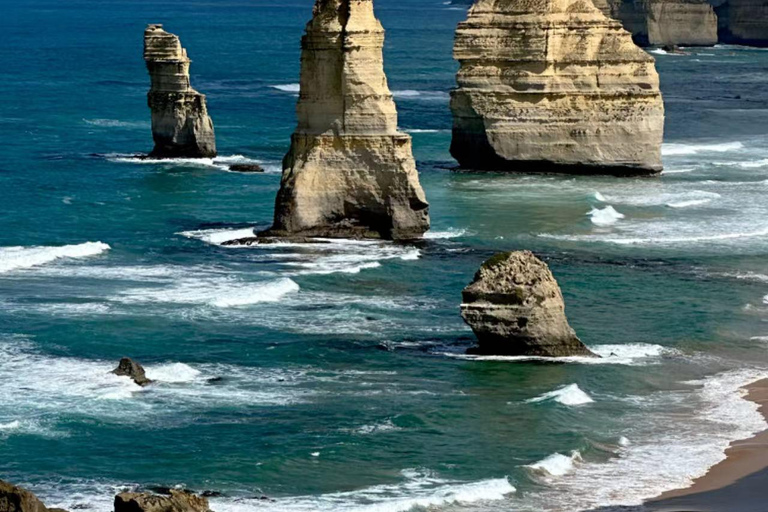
{"x":737,"y":484}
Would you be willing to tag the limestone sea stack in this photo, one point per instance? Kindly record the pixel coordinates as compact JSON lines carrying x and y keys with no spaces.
{"x":743,"y":22}
{"x":181,"y":126}
{"x":349,"y":172}
{"x":515,"y":307}
{"x":554,"y":86}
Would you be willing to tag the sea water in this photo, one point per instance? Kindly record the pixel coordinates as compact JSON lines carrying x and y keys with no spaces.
{"x":333,"y":377}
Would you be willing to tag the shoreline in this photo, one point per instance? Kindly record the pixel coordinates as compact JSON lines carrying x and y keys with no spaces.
{"x":735,"y":482}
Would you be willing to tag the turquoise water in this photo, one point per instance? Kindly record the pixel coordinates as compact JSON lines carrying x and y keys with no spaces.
{"x":333,"y":377}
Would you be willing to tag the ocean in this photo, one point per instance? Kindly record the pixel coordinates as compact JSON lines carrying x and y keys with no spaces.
{"x":334,"y":377}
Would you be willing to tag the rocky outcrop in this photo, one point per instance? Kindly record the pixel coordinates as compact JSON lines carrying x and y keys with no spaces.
{"x":554,"y":86}
{"x":665,"y":22}
{"x":180,"y":123}
{"x":178,"y":501}
{"x":743,"y":22}
{"x":130,"y":368}
{"x":18,"y":499}
{"x":515,"y":307}
{"x":349,"y":171}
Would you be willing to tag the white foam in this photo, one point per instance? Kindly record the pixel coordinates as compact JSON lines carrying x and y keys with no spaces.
{"x":676,"y":437}
{"x":173,"y":373}
{"x":13,"y":425}
{"x":629,"y":354}
{"x":425,"y":95}
{"x":606,"y":216}
{"x":221,"y":162}
{"x":424,"y":130}
{"x":676,"y":149}
{"x":599,"y":197}
{"x":14,"y":258}
{"x":116,"y":123}
{"x":624,"y":442}
{"x":294,"y":88}
{"x":377,"y":428}
{"x":420,"y":489}
{"x":219,"y":236}
{"x":448,"y":233}
{"x":222,"y":291}
{"x":556,"y":464}
{"x":566,"y":395}
{"x":689,"y":203}
{"x":659,"y":51}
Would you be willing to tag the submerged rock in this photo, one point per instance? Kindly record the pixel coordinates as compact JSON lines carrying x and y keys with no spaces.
{"x":181,"y":126}
{"x":554,"y":86}
{"x":130,"y":368}
{"x":246,"y":168}
{"x":349,"y":172}
{"x":18,"y":499}
{"x":515,"y":307}
{"x":176,"y":501}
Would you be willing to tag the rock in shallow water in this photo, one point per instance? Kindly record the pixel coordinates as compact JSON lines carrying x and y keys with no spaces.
{"x":554,"y":86}
{"x":349,"y":173}
{"x":178,"y":501}
{"x":181,"y":126}
{"x":515,"y":307}
{"x":18,"y":499}
{"x":130,"y":368}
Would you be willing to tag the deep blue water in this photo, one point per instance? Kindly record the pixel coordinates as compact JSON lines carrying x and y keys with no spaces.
{"x":343,"y":381}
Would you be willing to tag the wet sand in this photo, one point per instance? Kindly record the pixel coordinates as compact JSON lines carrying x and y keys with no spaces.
{"x":737,"y":484}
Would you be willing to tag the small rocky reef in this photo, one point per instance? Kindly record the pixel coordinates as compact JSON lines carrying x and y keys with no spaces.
{"x":176,"y":501}
{"x":554,"y":86}
{"x":516,"y":308}
{"x":133,"y":370}
{"x":181,"y":126}
{"x":17,"y":499}
{"x":349,"y":172}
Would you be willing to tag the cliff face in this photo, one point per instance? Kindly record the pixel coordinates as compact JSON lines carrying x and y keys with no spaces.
{"x":349,"y":172}
{"x":181,"y":127}
{"x":743,"y":22}
{"x":665,"y":22}
{"x":554,"y":86}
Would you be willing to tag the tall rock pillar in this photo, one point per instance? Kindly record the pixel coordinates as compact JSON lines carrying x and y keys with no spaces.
{"x":181,"y":127}
{"x":554,"y":86}
{"x":349,"y":171}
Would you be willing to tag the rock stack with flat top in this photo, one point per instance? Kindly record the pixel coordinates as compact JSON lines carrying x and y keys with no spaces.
{"x":554,"y":86}
{"x":515,"y":307}
{"x":181,"y":126}
{"x":349,"y":172}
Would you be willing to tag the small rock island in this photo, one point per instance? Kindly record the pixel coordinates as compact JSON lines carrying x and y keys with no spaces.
{"x":181,"y":126}
{"x":349,"y":172}
{"x":516,"y":308}
{"x":554,"y":86}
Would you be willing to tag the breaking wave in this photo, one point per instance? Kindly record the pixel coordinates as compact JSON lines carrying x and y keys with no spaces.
{"x":566,"y":395}
{"x":14,"y":258}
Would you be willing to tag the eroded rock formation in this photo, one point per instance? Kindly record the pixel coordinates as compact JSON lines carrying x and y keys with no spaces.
{"x":515,"y":307}
{"x":554,"y":86}
{"x":18,"y":499}
{"x":133,"y":370}
{"x":181,"y":126}
{"x":177,"y":501}
{"x":349,"y":171}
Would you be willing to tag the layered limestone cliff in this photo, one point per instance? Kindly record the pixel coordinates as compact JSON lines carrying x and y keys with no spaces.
{"x":515,"y":307}
{"x":349,"y":171}
{"x":743,"y":22}
{"x":181,"y":126}
{"x":665,"y":22}
{"x":554,"y":86}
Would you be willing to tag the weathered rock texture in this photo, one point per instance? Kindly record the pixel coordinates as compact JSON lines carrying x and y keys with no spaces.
{"x":515,"y":307}
{"x":743,"y":22}
{"x":130,"y":368}
{"x":554,"y":86}
{"x":349,"y":171}
{"x":178,"y":501}
{"x":665,"y":22}
{"x":17,"y":499}
{"x":180,"y":123}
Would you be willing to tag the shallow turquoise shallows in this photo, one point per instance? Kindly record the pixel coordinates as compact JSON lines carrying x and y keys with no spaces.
{"x":333,"y":377}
